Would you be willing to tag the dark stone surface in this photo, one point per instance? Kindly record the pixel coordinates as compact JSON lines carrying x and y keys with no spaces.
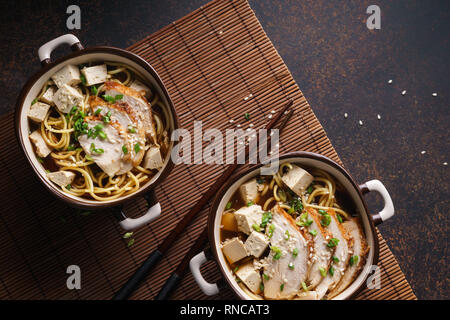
{"x":341,"y":66}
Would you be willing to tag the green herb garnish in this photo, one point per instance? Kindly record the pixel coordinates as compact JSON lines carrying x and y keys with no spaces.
{"x":326,"y":219}
{"x":250,"y":203}
{"x":266,"y":217}
{"x":130,"y":243}
{"x":108,"y":98}
{"x":127,"y":235}
{"x":313,"y":232}
{"x":304,"y":287}
{"x":256,"y":227}
{"x":137,"y":148}
{"x":97,"y":112}
{"x":94,"y":90}
{"x":310,"y":189}
{"x":271,"y":230}
{"x":247,"y":116}
{"x":265,"y":276}
{"x":331,"y":271}
{"x":295,"y":252}
{"x":277,"y":252}
{"x":228,"y":206}
{"x":333,"y":243}
{"x":296,"y":203}
{"x":83,"y":79}
{"x":131,"y":129}
{"x":354,"y":260}
{"x":287,"y":235}
{"x":339,"y":218}
{"x":335,"y":259}
{"x":69,"y":186}
{"x":261,"y":286}
{"x":291,"y":266}
{"x":282,"y":287}
{"x":323,"y":272}
{"x":34,"y":101}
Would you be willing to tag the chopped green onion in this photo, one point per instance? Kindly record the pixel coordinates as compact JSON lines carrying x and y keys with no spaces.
{"x":271,"y":230}
{"x":250,"y":203}
{"x":354,"y":260}
{"x":310,"y":189}
{"x":131,"y":129}
{"x":83,"y":79}
{"x":313,"y":232}
{"x":331,"y":271}
{"x":261,"y":286}
{"x":69,"y":186}
{"x":295,"y":252}
{"x":339,"y":218}
{"x":291,"y":266}
{"x":97,"y":112}
{"x":137,"y":148}
{"x":228,"y":206}
{"x":282,"y":287}
{"x":265,"y":276}
{"x":71,"y":147}
{"x":256,"y":227}
{"x":108,"y":98}
{"x":333,"y":243}
{"x":40,"y":159}
{"x":247,"y":116}
{"x":130,"y":243}
{"x":102,"y":135}
{"x":89,"y":157}
{"x":323,"y":272}
{"x":127,"y":235}
{"x":322,"y":212}
{"x":236,"y":269}
{"x":335,"y":259}
{"x":277,"y":252}
{"x":118,"y":97}
{"x":266,"y":217}
{"x":287,"y":235}
{"x":305,"y":288}
{"x":326,"y":220}
{"x":34,"y":101}
{"x":94,"y":90}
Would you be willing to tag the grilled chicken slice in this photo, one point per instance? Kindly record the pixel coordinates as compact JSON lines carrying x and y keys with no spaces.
{"x":341,"y":244}
{"x":107,"y":153}
{"x":357,"y":256}
{"x":125,"y":116}
{"x":287,"y":263}
{"x":137,"y":102}
{"x":322,"y":254}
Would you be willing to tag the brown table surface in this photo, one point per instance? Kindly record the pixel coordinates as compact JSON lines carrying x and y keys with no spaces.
{"x":342,"y":67}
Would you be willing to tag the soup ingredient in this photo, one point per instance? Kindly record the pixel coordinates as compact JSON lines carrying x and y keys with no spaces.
{"x":247,"y":216}
{"x":141,"y":88}
{"x":250,"y":277}
{"x":249,"y":191}
{"x":38,"y":111}
{"x":308,"y":295}
{"x":66,"y":98}
{"x":62,"y":178}
{"x":153,"y":159}
{"x":137,"y":102}
{"x":47,"y":97}
{"x":229,"y":222}
{"x":42,"y":149}
{"x":234,"y":250}
{"x":360,"y":249}
{"x":297,"y":179}
{"x":256,"y":244}
{"x":322,"y":254}
{"x":68,"y":75}
{"x":278,"y":270}
{"x":110,"y":161}
{"x":95,"y":74}
{"x":341,"y":247}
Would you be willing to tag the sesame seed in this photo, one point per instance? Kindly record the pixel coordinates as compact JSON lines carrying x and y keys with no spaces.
{"x":445,"y":163}
{"x":378,"y":117}
{"x":390,"y":81}
{"x":246,"y":98}
{"x":238,"y":126}
{"x":346,"y":115}
{"x":403,"y":92}
{"x":434,"y":94}
{"x":251,"y":125}
{"x":423,"y":152}
{"x":270,"y":116}
{"x":360,"y":122}
{"x":231,"y":120}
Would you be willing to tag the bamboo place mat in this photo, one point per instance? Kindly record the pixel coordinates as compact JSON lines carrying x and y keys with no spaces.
{"x":217,"y":63}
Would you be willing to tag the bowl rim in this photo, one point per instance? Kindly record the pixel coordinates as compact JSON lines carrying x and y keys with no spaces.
{"x":35,"y":77}
{"x":295,"y":154}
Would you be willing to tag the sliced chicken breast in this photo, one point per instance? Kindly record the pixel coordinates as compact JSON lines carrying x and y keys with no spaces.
{"x":107,"y":153}
{"x":340,"y":242}
{"x":125,"y":116}
{"x":287,"y":263}
{"x":321,"y":259}
{"x":357,"y":256}
{"x":137,"y":102}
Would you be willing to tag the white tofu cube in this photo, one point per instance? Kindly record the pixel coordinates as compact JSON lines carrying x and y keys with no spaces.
{"x":250,"y":277}
{"x":69,"y":75}
{"x":38,"y":111}
{"x":141,"y":88}
{"x":95,"y":74}
{"x":249,"y":191}
{"x":256,"y":244}
{"x":234,"y":250}
{"x":153,"y":159}
{"x":66,"y":98}
{"x":42,"y":149}
{"x":47,"y":97}
{"x":61,"y":178}
{"x":297,"y":179}
{"x":246,"y":217}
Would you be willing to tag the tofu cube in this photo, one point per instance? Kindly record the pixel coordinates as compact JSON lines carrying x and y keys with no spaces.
{"x":250,"y":277}
{"x":38,"y":111}
{"x":247,"y":216}
{"x":66,"y":98}
{"x":256,"y":244}
{"x":234,"y":250}
{"x":153,"y":159}
{"x":69,"y":75}
{"x":61,"y":178}
{"x":42,"y":149}
{"x":249,"y":191}
{"x":297,"y":179}
{"x":47,"y":97}
{"x":95,"y":74}
{"x":141,"y":88}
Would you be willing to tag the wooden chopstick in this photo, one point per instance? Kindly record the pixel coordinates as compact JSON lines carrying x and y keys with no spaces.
{"x":172,"y":282}
{"x":133,"y":283}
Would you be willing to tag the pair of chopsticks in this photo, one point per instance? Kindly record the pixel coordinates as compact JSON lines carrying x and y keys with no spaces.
{"x":133,"y":283}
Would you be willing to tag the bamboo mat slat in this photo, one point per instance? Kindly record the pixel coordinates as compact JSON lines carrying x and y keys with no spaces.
{"x":210,"y":60}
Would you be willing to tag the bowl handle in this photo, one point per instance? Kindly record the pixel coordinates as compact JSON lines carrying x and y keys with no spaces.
{"x":196,"y":262}
{"x":154,"y":211}
{"x":388,"y":210}
{"x":45,"y":50}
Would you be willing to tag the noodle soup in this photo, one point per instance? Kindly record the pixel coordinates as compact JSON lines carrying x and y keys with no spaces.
{"x":99,"y":130}
{"x":293,"y":235}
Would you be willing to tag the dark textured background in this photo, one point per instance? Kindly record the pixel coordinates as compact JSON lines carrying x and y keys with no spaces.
{"x":341,"y":66}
